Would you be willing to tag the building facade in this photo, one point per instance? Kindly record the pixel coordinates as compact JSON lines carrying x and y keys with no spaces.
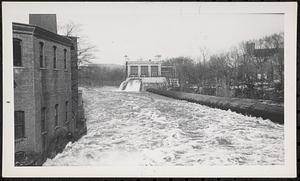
{"x":143,"y":68}
{"x":152,"y":69}
{"x":43,"y":91}
{"x":269,"y":62}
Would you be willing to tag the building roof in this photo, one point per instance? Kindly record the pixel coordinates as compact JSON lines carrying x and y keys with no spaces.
{"x":39,"y":32}
{"x":144,"y":62}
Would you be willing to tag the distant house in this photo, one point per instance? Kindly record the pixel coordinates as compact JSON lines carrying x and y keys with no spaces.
{"x":45,"y":88}
{"x":269,"y":62}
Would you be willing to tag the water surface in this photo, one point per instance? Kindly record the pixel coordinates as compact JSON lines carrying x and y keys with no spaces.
{"x":144,"y":129}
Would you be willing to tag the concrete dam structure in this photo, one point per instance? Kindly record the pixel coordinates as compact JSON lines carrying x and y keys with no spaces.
{"x":142,"y":75}
{"x":137,"y":84}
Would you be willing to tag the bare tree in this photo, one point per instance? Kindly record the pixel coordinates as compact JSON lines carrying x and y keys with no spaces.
{"x":204,"y":54}
{"x":86,"y":51}
{"x":202,"y":74}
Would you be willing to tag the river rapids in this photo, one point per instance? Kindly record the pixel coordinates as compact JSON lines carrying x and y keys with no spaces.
{"x":144,"y":129}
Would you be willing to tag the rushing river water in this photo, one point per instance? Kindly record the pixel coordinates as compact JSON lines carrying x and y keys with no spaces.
{"x":144,"y":129}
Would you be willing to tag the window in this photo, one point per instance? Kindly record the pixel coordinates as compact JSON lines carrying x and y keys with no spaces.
{"x":19,"y":124}
{"x":56,"y":115}
{"x":41,"y":53}
{"x":65,"y":59}
{"x":54,"y":56}
{"x":66,"y":110}
{"x":43,"y":119}
{"x":144,"y":71}
{"x":17,"y":52}
{"x":154,"y":71}
{"x":134,"y":70}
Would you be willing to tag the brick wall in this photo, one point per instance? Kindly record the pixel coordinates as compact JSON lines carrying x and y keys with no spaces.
{"x":23,"y":92}
{"x":74,"y":78}
{"x":52,"y":86}
{"x":37,"y":87}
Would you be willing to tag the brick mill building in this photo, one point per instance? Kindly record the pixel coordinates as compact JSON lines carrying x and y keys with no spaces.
{"x":47,"y":111}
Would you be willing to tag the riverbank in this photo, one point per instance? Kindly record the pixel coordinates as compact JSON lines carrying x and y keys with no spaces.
{"x":259,"y":108}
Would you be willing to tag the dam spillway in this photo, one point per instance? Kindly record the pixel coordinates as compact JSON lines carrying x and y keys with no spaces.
{"x":132,"y":85}
{"x":137,"y":84}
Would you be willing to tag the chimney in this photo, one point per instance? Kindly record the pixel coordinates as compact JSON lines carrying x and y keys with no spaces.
{"x":46,"y":21}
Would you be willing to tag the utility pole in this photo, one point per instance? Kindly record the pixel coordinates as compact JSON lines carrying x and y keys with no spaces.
{"x":126,"y":68}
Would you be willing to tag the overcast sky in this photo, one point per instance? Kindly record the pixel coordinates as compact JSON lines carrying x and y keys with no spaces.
{"x":146,"y":29}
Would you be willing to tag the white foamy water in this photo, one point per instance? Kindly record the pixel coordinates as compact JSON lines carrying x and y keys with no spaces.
{"x":133,"y":86}
{"x":144,"y":129}
{"x":122,"y":85}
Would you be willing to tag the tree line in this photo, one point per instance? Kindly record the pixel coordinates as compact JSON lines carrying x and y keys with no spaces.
{"x":101,"y":76}
{"x":253,"y":69}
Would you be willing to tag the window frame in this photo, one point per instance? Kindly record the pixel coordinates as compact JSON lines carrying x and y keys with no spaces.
{"x":41,"y":55}
{"x":14,"y":58}
{"x":56,"y":115}
{"x":156,"y":68}
{"x":22,"y":125}
{"x":43,"y":119}
{"x":134,"y":70}
{"x":54,"y":48}
{"x":145,"y":70}
{"x":66,"y":107}
{"x":65,"y":59}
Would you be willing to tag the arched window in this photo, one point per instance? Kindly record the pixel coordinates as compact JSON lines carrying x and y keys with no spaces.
{"x":54,"y":56}
{"x":41,"y":54}
{"x":65,"y":59}
{"x":17,"y":51}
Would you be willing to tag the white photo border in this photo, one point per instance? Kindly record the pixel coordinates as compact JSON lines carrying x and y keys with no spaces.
{"x":288,"y":170}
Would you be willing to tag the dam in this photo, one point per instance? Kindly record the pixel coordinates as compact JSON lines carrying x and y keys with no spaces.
{"x":141,"y":75}
{"x":134,"y":84}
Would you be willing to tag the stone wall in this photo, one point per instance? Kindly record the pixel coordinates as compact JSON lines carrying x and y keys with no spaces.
{"x":260,"y":108}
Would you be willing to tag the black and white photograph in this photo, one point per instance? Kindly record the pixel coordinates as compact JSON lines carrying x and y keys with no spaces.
{"x":142,"y":87}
